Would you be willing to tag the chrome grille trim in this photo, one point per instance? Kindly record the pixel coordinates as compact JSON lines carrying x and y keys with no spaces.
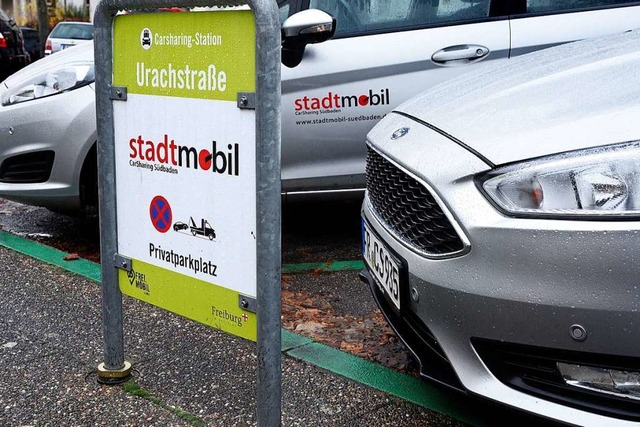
{"x":411,"y":210}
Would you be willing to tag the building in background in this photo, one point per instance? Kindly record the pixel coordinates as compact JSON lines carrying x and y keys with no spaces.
{"x":25,"y":12}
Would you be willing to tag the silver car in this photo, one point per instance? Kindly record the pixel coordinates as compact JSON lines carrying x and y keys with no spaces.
{"x":501,"y":229}
{"x":333,"y":91}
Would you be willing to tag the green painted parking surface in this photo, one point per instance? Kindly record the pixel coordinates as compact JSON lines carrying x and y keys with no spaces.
{"x":322,"y":267}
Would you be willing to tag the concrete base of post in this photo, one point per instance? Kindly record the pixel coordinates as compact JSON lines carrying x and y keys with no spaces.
{"x":114,"y":376}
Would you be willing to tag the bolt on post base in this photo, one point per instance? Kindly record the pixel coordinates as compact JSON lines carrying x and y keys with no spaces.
{"x":114,"y":376}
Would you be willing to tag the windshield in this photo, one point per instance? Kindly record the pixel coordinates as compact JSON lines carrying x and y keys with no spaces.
{"x":73,"y":31}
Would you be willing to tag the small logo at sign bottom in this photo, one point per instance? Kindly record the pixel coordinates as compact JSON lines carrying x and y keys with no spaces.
{"x":139,"y":280}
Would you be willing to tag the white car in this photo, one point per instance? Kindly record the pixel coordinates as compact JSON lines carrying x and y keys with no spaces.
{"x":333,"y":91}
{"x":500,"y":231}
{"x":68,"y":34}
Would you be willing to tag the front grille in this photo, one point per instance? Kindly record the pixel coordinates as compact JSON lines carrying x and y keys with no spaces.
{"x":534,"y":371}
{"x":408,"y":208}
{"x":27,"y":168}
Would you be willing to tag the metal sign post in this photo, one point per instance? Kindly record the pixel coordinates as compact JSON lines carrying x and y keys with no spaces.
{"x":188,"y":109}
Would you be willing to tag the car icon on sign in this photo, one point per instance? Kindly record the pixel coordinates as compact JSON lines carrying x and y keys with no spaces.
{"x":146,"y":37}
{"x":180,"y":226}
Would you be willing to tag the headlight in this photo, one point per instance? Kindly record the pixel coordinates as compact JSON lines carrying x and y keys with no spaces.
{"x":596,"y":183}
{"x":62,"y":79}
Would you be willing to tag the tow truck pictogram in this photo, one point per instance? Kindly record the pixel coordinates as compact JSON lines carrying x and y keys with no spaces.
{"x":204,"y":229}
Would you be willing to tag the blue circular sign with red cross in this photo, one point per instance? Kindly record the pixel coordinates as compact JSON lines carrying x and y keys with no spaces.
{"x":160,"y":213}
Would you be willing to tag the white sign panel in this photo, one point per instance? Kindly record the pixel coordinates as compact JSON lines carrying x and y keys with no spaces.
{"x":185,"y":163}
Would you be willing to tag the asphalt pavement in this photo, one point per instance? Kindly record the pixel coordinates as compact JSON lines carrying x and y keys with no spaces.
{"x":184,"y":373}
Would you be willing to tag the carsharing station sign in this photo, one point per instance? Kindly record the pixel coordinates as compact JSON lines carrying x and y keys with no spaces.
{"x":185,"y":163}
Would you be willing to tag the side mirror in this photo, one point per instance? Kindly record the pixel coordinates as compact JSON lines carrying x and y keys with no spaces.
{"x":303,"y":28}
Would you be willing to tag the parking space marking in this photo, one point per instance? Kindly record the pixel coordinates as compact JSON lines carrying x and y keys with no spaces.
{"x":83,"y":267}
{"x":319,"y":267}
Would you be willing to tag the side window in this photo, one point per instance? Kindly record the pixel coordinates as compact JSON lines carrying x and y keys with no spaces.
{"x":284,"y":9}
{"x":537,"y":6}
{"x":461,"y":10}
{"x":356,"y":17}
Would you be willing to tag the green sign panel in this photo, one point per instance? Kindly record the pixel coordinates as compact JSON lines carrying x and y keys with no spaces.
{"x":207,"y":55}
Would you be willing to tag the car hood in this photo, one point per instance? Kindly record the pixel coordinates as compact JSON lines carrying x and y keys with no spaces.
{"x":573,"y":96}
{"x":82,"y":52}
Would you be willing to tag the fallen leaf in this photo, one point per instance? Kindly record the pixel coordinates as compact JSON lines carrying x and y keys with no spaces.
{"x":310,"y":327}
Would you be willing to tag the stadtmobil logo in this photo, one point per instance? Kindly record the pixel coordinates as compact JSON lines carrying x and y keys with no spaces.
{"x":166,"y":156}
{"x":335,"y":102}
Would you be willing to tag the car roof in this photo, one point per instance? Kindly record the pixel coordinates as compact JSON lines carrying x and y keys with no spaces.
{"x":62,"y":23}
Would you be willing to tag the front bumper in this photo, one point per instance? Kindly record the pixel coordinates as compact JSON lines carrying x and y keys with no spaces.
{"x":519,"y":289}
{"x":434,"y":363}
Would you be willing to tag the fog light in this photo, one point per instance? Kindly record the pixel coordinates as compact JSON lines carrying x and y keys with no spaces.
{"x":610,"y":381}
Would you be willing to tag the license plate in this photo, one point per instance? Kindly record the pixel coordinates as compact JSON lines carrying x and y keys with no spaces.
{"x":383,"y":265}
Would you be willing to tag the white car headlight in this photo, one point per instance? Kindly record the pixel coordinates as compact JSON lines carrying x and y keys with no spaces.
{"x":62,"y":79}
{"x":596,"y":183}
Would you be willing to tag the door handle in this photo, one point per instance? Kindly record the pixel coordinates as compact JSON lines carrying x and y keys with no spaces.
{"x":460,"y":54}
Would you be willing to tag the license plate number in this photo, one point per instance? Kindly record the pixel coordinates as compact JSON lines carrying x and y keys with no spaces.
{"x":383,"y":265}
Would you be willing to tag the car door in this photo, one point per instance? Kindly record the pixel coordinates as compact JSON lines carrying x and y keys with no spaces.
{"x":537,"y":24}
{"x":382,"y":53}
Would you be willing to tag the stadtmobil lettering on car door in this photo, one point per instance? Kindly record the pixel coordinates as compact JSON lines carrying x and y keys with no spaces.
{"x":186,"y":162}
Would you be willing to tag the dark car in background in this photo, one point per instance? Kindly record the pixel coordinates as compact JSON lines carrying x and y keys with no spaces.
{"x":13,"y":55}
{"x":32,"y":43}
